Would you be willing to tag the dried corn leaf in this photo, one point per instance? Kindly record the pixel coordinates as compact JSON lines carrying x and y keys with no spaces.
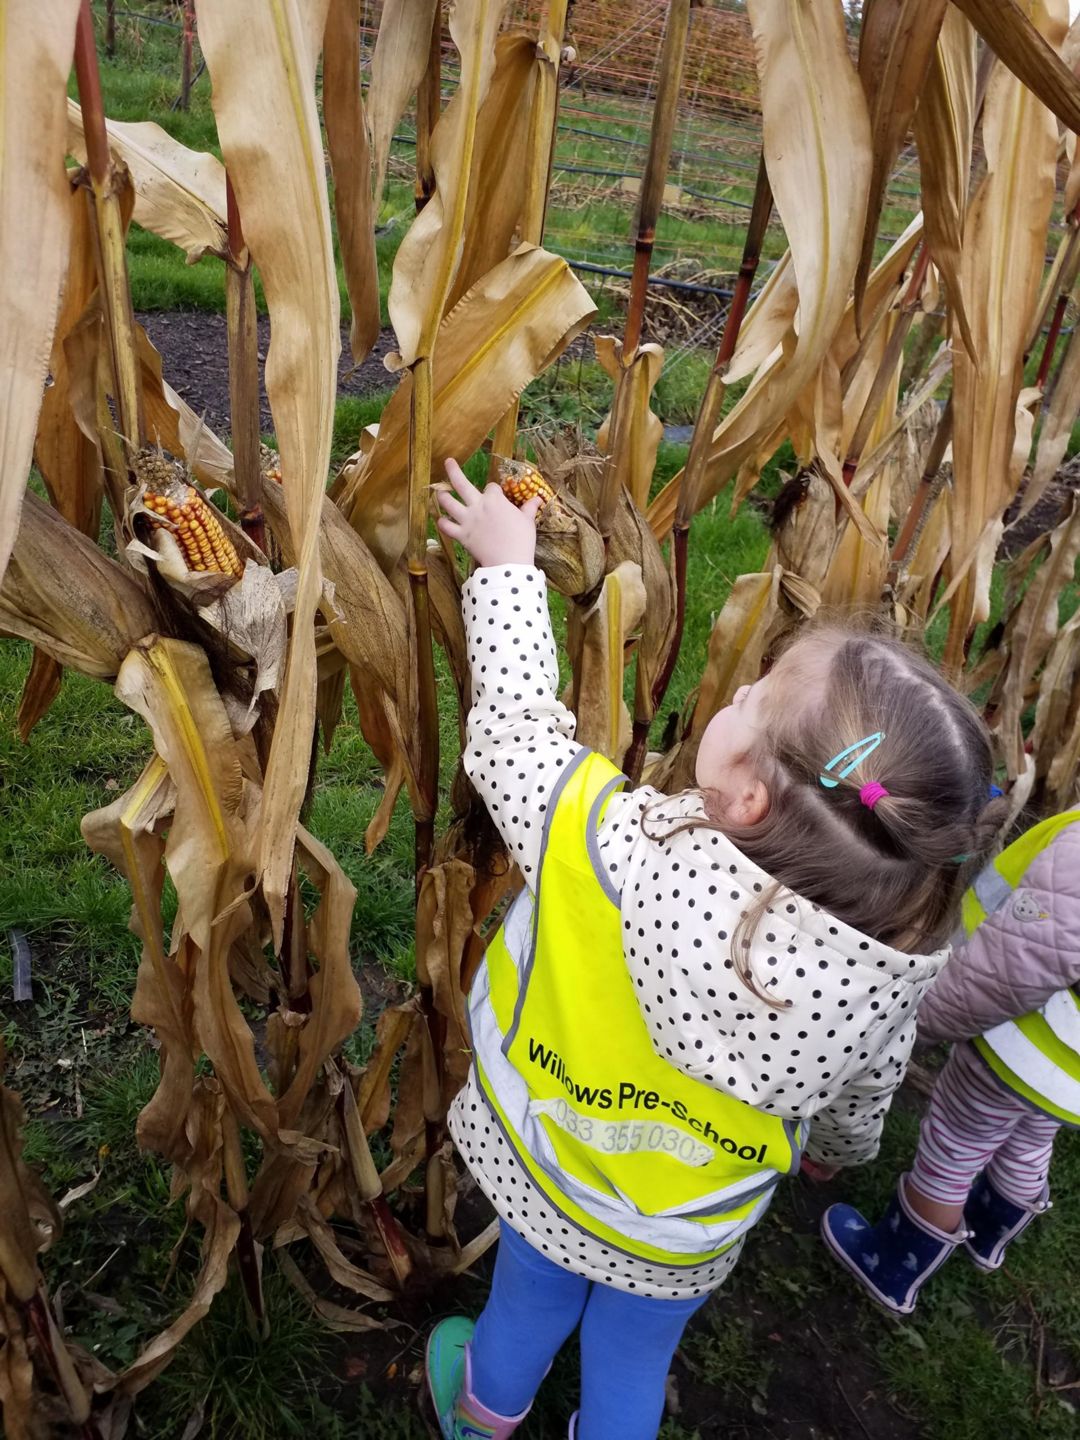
{"x":36,"y":47}
{"x":444,"y":924}
{"x":397,"y":67}
{"x":944,"y":123}
{"x":804,"y":530}
{"x":262,"y":63}
{"x":500,"y":168}
{"x":857,"y":573}
{"x":1002,"y":261}
{"x":172,"y":425}
{"x":350,"y":162}
{"x":373,"y":1094}
{"x":603,"y":721}
{"x":66,"y":455}
{"x":68,"y":598}
{"x":428,"y":257}
{"x":1057,"y":425}
{"x":816,"y":143}
{"x":334,"y":993}
{"x":1031,"y":629}
{"x":509,"y":327}
{"x":221,"y":1229}
{"x":126,"y":832}
{"x":179,"y":193}
{"x":896,"y":45}
{"x":1015,"y":31}
{"x":1054,"y":712}
{"x":767,"y":322}
{"x":638,"y":431}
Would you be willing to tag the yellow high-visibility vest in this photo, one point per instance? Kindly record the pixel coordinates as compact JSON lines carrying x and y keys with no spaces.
{"x":629,"y":1149}
{"x":1038,"y":1055}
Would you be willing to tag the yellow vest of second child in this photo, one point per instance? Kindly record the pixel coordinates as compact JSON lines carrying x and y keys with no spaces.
{"x":629,"y":1149}
{"x":1038,"y":1055}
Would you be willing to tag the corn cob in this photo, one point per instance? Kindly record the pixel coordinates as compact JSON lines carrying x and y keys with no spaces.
{"x":270,"y":463}
{"x":177,"y":506}
{"x":521,"y":482}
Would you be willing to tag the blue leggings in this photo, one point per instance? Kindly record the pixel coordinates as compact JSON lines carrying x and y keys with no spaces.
{"x":627,"y":1342}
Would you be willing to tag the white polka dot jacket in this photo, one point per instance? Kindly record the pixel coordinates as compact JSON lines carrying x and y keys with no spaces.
{"x":833,"y":1054}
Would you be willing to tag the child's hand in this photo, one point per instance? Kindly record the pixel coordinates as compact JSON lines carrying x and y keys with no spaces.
{"x":492,"y":530}
{"x":818,"y":1171}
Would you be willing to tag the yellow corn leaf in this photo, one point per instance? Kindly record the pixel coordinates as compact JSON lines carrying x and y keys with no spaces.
{"x":262,"y":59}
{"x":510,"y":326}
{"x":179,"y":193}
{"x":36,"y":45}
{"x":816,"y":142}
{"x":767,"y":321}
{"x":896,"y":45}
{"x":350,"y":161}
{"x":428,"y":257}
{"x":499,"y":177}
{"x":399,"y":61}
{"x":639,"y":431}
{"x":603,"y":721}
{"x":1001,"y":264}
{"x":1015,"y":31}
{"x":1056,"y":430}
{"x":944,"y":122}
{"x":67,"y":597}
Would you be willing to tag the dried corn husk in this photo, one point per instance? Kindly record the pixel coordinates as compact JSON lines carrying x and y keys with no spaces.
{"x":397,"y":67}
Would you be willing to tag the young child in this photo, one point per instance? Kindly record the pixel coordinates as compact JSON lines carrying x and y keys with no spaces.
{"x":1011,"y":1081}
{"x":684,"y":981}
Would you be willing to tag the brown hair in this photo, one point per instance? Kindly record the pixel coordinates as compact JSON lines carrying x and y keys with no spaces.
{"x":898,"y":870}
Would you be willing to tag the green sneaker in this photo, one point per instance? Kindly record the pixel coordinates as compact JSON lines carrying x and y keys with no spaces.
{"x":446,"y":1368}
{"x":449,"y":1375}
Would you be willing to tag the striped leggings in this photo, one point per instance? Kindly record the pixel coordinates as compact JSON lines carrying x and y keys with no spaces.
{"x":973,"y":1123}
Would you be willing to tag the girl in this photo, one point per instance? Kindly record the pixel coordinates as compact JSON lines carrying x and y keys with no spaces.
{"x":684,"y":981}
{"x":979,"y":1176}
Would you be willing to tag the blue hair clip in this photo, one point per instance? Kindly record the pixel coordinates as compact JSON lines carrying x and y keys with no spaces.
{"x":860,"y":751}
{"x":996,"y":792}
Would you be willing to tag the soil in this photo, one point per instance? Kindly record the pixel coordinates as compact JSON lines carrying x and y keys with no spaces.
{"x":1046,"y":513}
{"x":195,"y":359}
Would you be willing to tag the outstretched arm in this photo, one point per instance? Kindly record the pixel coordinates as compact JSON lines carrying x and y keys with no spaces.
{"x":519,"y":736}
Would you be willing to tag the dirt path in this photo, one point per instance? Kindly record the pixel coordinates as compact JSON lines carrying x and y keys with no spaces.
{"x":195,"y":358}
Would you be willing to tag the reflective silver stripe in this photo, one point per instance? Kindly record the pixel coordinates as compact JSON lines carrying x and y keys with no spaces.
{"x":667,"y":1231}
{"x":991,"y":888}
{"x":1062,"y":1015}
{"x":556,"y":796}
{"x":593,"y":845}
{"x":797,"y":1143}
{"x":1027,"y":1061}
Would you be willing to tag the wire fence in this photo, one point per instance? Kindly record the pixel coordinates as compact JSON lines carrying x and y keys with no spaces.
{"x":607,"y":83}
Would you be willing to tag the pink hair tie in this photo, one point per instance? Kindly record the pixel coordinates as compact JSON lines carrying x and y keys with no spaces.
{"x":871,"y":793}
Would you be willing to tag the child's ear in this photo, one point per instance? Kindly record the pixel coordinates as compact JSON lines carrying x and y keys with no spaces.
{"x":750,"y":803}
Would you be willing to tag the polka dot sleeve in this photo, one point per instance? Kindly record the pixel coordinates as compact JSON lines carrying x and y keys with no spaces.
{"x":519,"y":736}
{"x":848,"y":1131}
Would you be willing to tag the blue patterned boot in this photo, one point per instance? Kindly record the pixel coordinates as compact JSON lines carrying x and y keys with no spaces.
{"x":996,"y":1221}
{"x":894,"y":1258}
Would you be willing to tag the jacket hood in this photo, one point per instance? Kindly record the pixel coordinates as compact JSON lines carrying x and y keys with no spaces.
{"x":836,"y":996}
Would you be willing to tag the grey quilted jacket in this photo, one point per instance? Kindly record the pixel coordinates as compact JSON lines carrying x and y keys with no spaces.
{"x":1024,"y":952}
